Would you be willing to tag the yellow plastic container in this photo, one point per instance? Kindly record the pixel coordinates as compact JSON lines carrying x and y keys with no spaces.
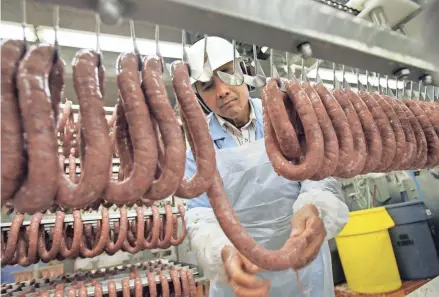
{"x":366,"y":252}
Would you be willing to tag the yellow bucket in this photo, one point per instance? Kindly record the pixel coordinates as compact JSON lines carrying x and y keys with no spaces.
{"x":366,"y":252}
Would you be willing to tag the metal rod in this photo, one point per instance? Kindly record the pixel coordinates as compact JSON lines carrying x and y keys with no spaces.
{"x":87,"y":218}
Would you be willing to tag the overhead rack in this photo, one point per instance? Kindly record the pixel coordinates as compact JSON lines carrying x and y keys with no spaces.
{"x":285,"y":25}
{"x":88,"y":217}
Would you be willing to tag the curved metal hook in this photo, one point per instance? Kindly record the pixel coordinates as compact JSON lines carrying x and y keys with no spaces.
{"x":259,"y":80}
{"x":275,"y":74}
{"x":24,"y":21}
{"x":206,"y":74}
{"x":165,"y":72}
{"x":237,"y":77}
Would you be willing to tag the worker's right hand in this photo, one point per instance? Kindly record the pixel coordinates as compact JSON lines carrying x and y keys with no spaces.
{"x":242,"y":274}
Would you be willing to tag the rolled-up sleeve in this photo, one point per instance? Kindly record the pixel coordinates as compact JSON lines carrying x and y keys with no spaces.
{"x":207,"y":238}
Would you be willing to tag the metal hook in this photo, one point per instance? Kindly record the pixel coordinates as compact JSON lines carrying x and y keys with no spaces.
{"x":411,"y":90}
{"x":419,"y":89}
{"x":367,"y":81}
{"x":359,"y":84}
{"x":302,"y":71}
{"x":336,"y":84}
{"x":165,"y":72}
{"x":183,"y":45}
{"x":275,"y":74}
{"x":318,"y":78}
{"x":135,"y":47}
{"x":387,"y":84}
{"x":425,"y":93}
{"x":237,"y":77}
{"x":56,"y":25}
{"x":259,"y":80}
{"x":380,"y":90}
{"x":397,"y":91}
{"x":24,"y":22}
{"x":206,"y":74}
{"x":343,"y":78}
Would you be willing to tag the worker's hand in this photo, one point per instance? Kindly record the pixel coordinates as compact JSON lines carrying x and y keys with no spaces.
{"x":242,"y":274}
{"x":308,"y":226}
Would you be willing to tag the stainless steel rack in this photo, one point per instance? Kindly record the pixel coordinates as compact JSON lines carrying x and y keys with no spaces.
{"x":87,"y":217}
{"x":285,"y":25}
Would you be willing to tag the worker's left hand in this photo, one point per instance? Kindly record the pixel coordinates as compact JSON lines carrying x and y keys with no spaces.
{"x":308,"y":226}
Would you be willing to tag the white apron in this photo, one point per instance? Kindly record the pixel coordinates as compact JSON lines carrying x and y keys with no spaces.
{"x":263,"y":202}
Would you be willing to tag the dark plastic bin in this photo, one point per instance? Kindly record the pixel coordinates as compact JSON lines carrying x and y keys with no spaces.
{"x":412,"y":241}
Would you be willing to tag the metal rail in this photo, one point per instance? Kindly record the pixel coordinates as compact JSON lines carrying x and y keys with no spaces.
{"x":285,"y":25}
{"x":40,"y":285}
{"x":48,"y":220}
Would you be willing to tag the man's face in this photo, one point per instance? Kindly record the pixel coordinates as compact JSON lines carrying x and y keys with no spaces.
{"x":231,"y":102}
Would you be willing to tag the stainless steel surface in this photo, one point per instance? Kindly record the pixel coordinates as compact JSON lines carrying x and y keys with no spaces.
{"x":430,"y":289}
{"x":284,"y":25}
{"x":87,"y":217}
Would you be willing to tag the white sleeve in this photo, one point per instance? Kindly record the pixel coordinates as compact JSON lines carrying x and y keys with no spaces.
{"x":327,"y":197}
{"x":208,"y":239}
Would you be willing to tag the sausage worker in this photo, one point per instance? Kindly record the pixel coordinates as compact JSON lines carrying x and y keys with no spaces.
{"x":265,"y":203}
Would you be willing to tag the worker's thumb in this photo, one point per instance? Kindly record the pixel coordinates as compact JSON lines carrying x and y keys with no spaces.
{"x":298,"y":227}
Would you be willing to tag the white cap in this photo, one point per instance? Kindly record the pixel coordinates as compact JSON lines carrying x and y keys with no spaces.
{"x":219,"y":52}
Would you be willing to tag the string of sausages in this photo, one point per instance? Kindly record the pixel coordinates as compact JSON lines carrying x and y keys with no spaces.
{"x":26,"y":245}
{"x":346,"y":133}
{"x":143,"y":131}
{"x":181,"y":282}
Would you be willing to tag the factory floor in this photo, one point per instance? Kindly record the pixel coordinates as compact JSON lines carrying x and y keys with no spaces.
{"x":407,"y":288}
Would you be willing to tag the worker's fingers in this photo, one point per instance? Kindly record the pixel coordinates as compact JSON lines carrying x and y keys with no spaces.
{"x":235,"y":271}
{"x":314,"y":235}
{"x":249,"y":266}
{"x":241,"y":291}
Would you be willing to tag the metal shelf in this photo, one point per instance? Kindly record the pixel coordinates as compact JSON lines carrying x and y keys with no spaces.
{"x":284,"y":25}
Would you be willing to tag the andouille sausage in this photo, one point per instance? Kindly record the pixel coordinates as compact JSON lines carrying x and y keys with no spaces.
{"x":386,"y":131}
{"x":141,"y":133}
{"x":67,"y":110}
{"x":104,"y":237}
{"x":285,"y":132}
{"x":191,"y":281}
{"x":126,"y":287}
{"x":82,"y":292}
{"x":151,"y":241}
{"x":12,"y":145}
{"x":431,"y":112}
{"x":28,"y":254}
{"x":164,"y":284}
{"x":59,"y":290}
{"x":12,"y":240}
{"x":421,"y":141}
{"x":49,"y":255}
{"x":112,"y":247}
{"x":314,"y":138}
{"x":98,"y":289}
{"x":168,"y":229}
{"x":410,"y":148}
{"x":400,"y":141}
{"x":151,"y":284}
{"x":73,"y":250}
{"x":429,"y":132}
{"x":138,"y":288}
{"x":38,"y":191}
{"x":371,"y":132}
{"x":175,"y":282}
{"x":112,"y":292}
{"x":56,"y":85}
{"x":178,"y":240}
{"x":184,"y":282}
{"x":123,"y":141}
{"x":98,"y":154}
{"x":352,"y":161}
{"x":140,"y":219}
{"x":331,"y":149}
{"x":158,"y":102}
{"x":203,"y":151}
